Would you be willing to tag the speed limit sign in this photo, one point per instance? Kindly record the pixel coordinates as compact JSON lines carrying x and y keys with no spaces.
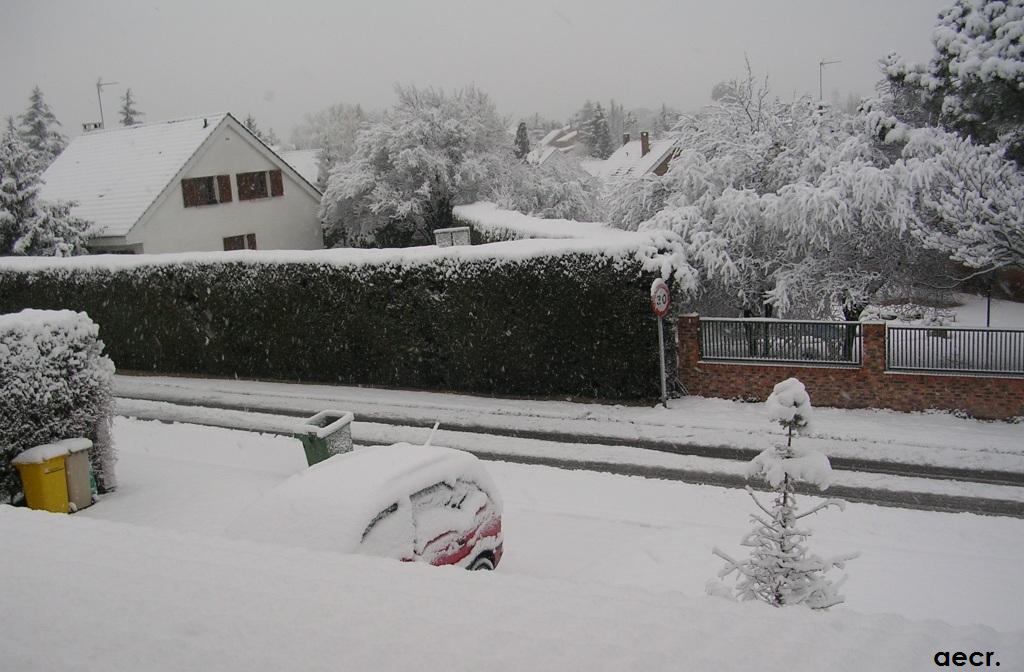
{"x":659,"y":297}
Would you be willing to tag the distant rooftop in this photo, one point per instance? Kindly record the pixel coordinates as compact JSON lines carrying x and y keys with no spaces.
{"x":627,"y":161}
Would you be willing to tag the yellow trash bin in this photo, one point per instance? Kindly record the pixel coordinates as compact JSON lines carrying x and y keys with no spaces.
{"x":43,"y":477}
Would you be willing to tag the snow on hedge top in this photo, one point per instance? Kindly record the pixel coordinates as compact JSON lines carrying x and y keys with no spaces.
{"x":40,"y":454}
{"x":115,"y":175}
{"x":658,"y":251}
{"x":330,"y":505}
{"x":489,"y":217}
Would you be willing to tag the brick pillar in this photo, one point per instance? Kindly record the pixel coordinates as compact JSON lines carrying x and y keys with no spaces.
{"x":873,"y":355}
{"x":688,"y":328}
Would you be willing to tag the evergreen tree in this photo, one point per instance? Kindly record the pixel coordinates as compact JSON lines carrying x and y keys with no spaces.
{"x":780,"y":570}
{"x":582,"y":122}
{"x":667,"y":119}
{"x":268,"y":136}
{"x":37,"y":129}
{"x":27,"y":225}
{"x":601,"y":140}
{"x":522,"y":145}
{"x":973,"y":83}
{"x":129,"y":113}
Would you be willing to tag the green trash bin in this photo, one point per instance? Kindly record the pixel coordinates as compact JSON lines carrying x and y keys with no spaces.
{"x":325,"y":434}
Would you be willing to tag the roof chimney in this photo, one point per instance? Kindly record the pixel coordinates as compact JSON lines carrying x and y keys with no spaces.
{"x":625,"y":138}
{"x":645,"y":143}
{"x":206,"y":122}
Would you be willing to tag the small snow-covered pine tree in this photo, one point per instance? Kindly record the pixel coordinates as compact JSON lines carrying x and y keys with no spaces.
{"x":129,"y":113}
{"x":522,"y":144}
{"x":38,"y":129}
{"x":780,"y":570}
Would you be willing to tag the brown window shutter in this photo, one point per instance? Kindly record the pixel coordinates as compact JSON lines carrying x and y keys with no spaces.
{"x":188,"y":192}
{"x":250,"y":241}
{"x":276,"y":183}
{"x":224,"y":188}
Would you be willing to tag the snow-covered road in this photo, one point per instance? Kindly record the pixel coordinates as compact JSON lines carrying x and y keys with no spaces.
{"x":605,"y":528}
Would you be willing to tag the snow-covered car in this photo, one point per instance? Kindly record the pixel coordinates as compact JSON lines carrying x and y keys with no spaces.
{"x":413,"y":503}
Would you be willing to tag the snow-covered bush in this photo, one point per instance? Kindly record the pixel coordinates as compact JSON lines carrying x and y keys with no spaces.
{"x":557,"y":189}
{"x":780,"y":570}
{"x":55,"y":383}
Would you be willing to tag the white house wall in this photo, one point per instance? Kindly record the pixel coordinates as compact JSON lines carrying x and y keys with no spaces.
{"x":287,"y":222}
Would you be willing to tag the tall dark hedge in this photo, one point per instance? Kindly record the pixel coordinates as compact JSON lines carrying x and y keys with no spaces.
{"x":575,"y":324}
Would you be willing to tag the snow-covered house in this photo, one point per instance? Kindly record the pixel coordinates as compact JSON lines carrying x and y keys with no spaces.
{"x":202,"y":183}
{"x":559,"y":142}
{"x":305,"y":161}
{"x":635,"y":158}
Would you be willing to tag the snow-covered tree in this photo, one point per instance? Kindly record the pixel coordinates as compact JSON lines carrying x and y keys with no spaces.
{"x":780,"y":569}
{"x":558,"y":189}
{"x":129,"y":113}
{"x":267,"y":136}
{"x":974,"y":82}
{"x":783,"y":206}
{"x":38,"y":129}
{"x":522,"y":142}
{"x":970,"y":197}
{"x":333,"y":131}
{"x":667,"y":119}
{"x":430,"y":151}
{"x":29,"y":226}
{"x":582,"y":121}
{"x":601,"y":140}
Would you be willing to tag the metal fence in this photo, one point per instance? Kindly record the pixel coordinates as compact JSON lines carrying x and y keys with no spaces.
{"x":792,"y":341}
{"x":955,"y":349}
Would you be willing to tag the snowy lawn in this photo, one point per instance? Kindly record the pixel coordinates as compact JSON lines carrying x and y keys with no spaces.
{"x":591,"y":528}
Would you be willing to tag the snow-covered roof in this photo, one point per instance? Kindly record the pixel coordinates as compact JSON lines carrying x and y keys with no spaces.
{"x":115,"y":175}
{"x":627,"y":160}
{"x":330,"y":505}
{"x":306,"y":162}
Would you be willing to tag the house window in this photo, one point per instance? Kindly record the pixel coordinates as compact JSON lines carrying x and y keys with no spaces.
{"x":259,"y":185}
{"x":206,"y":190}
{"x":243,"y":242}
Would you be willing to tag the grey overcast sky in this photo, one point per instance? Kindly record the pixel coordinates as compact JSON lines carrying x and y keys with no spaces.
{"x":279,"y":60}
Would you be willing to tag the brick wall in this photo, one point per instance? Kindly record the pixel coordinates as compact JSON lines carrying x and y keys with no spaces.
{"x":868,"y":385}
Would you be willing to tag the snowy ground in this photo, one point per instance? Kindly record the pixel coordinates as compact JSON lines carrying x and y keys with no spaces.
{"x":602,"y":529}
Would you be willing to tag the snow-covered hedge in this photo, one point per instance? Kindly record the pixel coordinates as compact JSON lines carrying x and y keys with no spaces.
{"x":54,"y":384}
{"x":524,"y":317}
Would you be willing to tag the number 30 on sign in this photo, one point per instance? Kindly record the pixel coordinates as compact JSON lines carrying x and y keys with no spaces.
{"x":659,"y":297}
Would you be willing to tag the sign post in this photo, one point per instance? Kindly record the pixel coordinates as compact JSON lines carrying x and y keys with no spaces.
{"x":660,"y":301}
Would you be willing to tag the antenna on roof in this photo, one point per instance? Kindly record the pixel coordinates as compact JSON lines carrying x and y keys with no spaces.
{"x":99,"y":96}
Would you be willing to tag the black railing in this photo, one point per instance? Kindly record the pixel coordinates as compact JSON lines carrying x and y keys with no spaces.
{"x":793,"y":341}
{"x":955,"y":349}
